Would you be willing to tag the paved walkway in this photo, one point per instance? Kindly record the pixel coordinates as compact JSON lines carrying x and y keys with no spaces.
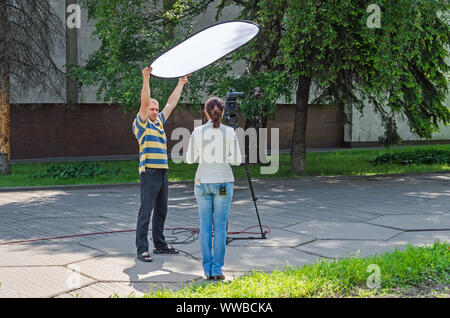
{"x":308,"y":217}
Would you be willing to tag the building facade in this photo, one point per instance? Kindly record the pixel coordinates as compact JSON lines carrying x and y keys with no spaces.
{"x":78,"y":124}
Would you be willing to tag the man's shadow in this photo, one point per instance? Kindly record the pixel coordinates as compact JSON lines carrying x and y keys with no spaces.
{"x":147,"y":277}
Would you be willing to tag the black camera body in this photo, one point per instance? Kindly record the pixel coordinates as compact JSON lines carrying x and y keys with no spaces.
{"x":231,"y":116}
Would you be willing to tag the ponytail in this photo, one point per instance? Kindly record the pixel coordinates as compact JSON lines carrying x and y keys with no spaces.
{"x":214,"y":107}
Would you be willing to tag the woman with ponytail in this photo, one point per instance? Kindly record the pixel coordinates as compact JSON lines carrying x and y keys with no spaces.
{"x":215,"y":147}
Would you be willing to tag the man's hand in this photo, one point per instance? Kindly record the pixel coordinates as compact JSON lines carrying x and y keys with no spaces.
{"x":146,"y":72}
{"x":175,"y":97}
{"x":145,"y":93}
{"x":183,"y":80}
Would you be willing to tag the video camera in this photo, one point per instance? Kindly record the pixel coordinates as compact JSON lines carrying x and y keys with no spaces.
{"x":231,"y":116}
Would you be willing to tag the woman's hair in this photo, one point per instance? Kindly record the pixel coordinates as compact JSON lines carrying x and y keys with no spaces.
{"x":214,"y":107}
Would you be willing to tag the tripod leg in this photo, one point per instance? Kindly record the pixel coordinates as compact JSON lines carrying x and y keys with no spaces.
{"x":263,"y":234}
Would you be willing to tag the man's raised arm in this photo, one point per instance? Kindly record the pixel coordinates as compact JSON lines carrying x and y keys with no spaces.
{"x":174,"y":97}
{"x":145,"y":93}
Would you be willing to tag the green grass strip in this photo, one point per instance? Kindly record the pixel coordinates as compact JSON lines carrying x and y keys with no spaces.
{"x":349,"y":277}
{"x":333,"y":163}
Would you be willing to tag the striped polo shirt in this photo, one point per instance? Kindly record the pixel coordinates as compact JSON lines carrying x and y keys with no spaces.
{"x":152,"y":142}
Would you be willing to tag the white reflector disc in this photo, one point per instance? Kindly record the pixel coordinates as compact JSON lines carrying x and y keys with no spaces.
{"x":203,"y":48}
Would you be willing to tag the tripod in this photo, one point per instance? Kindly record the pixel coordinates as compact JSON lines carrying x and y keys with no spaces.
{"x":263,"y":233}
{"x":231,"y":118}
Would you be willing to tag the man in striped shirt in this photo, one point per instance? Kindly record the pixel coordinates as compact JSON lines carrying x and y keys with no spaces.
{"x":148,"y":127}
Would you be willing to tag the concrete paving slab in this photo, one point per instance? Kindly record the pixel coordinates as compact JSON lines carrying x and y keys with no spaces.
{"x":363,"y":248}
{"x":73,"y":225}
{"x":44,"y":253}
{"x":248,"y":258}
{"x":423,"y":237}
{"x":118,"y":289}
{"x":120,"y":243}
{"x":235,"y":227}
{"x":408,"y":209}
{"x":23,"y":234}
{"x":272,"y":216}
{"x":308,"y":216}
{"x":40,"y":281}
{"x":282,"y":220}
{"x":414,"y":222}
{"x":126,"y":268}
{"x":15,"y":217}
{"x":320,"y":210}
{"x":124,"y":243}
{"x":105,"y":290}
{"x":241,"y":223}
{"x":276,"y":238}
{"x":342,"y":230}
{"x":264,"y":206}
{"x":343,"y":248}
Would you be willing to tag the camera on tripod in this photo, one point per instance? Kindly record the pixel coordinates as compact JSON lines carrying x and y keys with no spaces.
{"x":231,"y":116}
{"x":231,"y":119}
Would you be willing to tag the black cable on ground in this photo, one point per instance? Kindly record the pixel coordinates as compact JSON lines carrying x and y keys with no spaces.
{"x":193,"y":236}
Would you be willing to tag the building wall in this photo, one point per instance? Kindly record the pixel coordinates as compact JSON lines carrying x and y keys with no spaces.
{"x":42,"y":126}
{"x":367,"y":128}
{"x":54,"y":130}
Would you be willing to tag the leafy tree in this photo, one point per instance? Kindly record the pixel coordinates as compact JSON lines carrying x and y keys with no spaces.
{"x":132,"y":34}
{"x":328,"y":50}
{"x":30,"y":31}
{"x":398,"y":68}
{"x":264,"y":82}
{"x":144,"y":29}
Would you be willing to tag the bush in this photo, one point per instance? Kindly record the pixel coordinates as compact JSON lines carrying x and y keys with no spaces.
{"x":420,"y":157}
{"x":73,"y":170}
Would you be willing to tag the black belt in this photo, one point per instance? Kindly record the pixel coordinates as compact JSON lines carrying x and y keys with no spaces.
{"x":162,"y":169}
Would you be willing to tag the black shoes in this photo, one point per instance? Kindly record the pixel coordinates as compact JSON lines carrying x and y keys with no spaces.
{"x":144,"y":257}
{"x":165,"y":250}
{"x":218,"y":277}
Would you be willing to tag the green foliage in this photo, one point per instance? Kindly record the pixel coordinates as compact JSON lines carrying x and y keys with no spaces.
{"x":398,"y":69}
{"x":421,"y":156}
{"x":74,"y":170}
{"x":262,"y":90}
{"x":263,"y":81}
{"x":132,"y":34}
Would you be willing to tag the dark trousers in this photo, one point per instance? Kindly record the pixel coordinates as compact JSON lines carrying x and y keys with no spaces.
{"x":154,"y":194}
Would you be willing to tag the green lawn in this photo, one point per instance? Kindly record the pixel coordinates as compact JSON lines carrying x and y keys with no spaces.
{"x":336,"y":163}
{"x":415,"y":268}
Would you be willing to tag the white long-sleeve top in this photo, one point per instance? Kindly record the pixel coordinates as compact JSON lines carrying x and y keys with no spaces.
{"x":215,"y":149}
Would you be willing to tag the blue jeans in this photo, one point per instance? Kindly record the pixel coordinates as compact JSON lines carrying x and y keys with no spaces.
{"x":213,"y":208}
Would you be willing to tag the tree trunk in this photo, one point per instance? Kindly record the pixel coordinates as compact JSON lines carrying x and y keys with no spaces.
{"x":257,"y":122}
{"x":5,"y":153}
{"x":5,"y":149}
{"x":298,"y":146}
{"x":169,"y":27}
